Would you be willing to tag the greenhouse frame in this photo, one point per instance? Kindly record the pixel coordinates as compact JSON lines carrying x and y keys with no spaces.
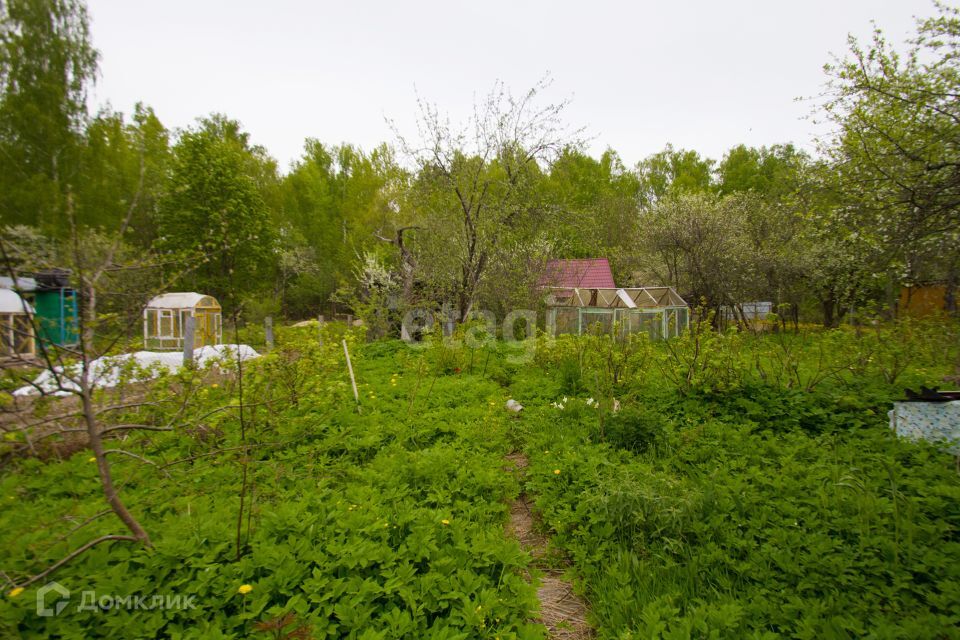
{"x":17,"y":338}
{"x":165,"y":321}
{"x":658,"y":311}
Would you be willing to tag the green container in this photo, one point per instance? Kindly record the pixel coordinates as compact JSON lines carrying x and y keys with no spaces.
{"x":56,"y":313}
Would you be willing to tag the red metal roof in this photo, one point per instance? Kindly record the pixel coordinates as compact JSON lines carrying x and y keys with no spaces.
{"x":592,"y":273}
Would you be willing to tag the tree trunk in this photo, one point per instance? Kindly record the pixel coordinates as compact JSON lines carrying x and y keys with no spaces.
{"x":87,"y":334}
{"x":950,"y":294}
{"x":829,"y":306}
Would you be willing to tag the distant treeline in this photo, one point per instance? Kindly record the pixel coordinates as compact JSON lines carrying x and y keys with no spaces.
{"x":466,"y":217}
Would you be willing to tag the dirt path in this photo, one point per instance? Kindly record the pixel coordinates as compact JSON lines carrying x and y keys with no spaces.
{"x":562,"y":611}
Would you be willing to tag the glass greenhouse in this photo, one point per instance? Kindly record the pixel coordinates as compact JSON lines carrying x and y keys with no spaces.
{"x":658,"y":311}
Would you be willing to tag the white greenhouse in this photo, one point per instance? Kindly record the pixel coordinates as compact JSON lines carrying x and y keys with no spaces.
{"x":165,"y":321}
{"x":16,"y":326}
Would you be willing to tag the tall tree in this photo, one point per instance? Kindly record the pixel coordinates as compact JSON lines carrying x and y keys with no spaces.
{"x":334,"y":200}
{"x":897,"y":150}
{"x":120,"y":158}
{"x":46,"y":65}
{"x":597,"y":202}
{"x":477,"y":188}
{"x":672,"y":172}
{"x":771,"y":172}
{"x":699,"y":243}
{"x":214,"y":216}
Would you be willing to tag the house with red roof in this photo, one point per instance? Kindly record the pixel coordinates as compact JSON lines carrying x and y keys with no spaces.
{"x":590,"y":273}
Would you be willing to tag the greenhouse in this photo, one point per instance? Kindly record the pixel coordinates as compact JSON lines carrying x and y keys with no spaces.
{"x":658,"y":311}
{"x":165,"y":321}
{"x":16,"y":326}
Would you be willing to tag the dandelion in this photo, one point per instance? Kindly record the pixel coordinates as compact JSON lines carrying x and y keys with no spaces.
{"x":556,"y":472}
{"x":445,"y":522}
{"x":245,"y":589}
{"x":15,"y":592}
{"x":214,"y":386}
{"x":92,"y":459}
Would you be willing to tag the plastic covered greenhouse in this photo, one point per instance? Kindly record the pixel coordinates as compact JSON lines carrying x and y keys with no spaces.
{"x":658,"y":311}
{"x":165,"y":320}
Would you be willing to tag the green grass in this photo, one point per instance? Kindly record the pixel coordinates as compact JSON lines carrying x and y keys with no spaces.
{"x":383,"y":524}
{"x":726,"y":503}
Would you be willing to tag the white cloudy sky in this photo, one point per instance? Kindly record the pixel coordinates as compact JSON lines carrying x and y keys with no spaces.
{"x":700,"y":74}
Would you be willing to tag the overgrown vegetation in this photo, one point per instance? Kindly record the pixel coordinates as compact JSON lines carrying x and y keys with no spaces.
{"x":732,"y":482}
{"x":751,"y":498}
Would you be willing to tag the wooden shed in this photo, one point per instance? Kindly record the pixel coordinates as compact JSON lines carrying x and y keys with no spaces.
{"x":165,"y":320}
{"x":923,"y":300}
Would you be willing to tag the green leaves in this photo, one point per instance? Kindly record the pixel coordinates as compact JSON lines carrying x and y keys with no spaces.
{"x":756,"y":509}
{"x":214,"y":223}
{"x":361,"y":525}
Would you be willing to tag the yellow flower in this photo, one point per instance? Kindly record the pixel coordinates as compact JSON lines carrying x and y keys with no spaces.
{"x":214,"y":385}
{"x":245,"y":589}
{"x":92,"y":459}
{"x":15,"y":592}
{"x":444,"y":522}
{"x":556,"y":472}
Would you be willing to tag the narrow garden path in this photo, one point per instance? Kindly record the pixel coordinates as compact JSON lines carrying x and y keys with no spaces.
{"x":562,"y":611}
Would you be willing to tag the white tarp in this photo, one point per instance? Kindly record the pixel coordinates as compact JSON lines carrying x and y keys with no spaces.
{"x":132,"y":367}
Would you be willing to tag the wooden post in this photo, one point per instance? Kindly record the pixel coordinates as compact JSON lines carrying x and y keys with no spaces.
{"x":353,"y":381}
{"x":189,"y":330}
{"x":349,"y":320}
{"x":320,"y":329}
{"x":268,"y":330}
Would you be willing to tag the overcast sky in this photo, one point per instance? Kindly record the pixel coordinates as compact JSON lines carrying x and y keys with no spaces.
{"x":704,"y":75}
